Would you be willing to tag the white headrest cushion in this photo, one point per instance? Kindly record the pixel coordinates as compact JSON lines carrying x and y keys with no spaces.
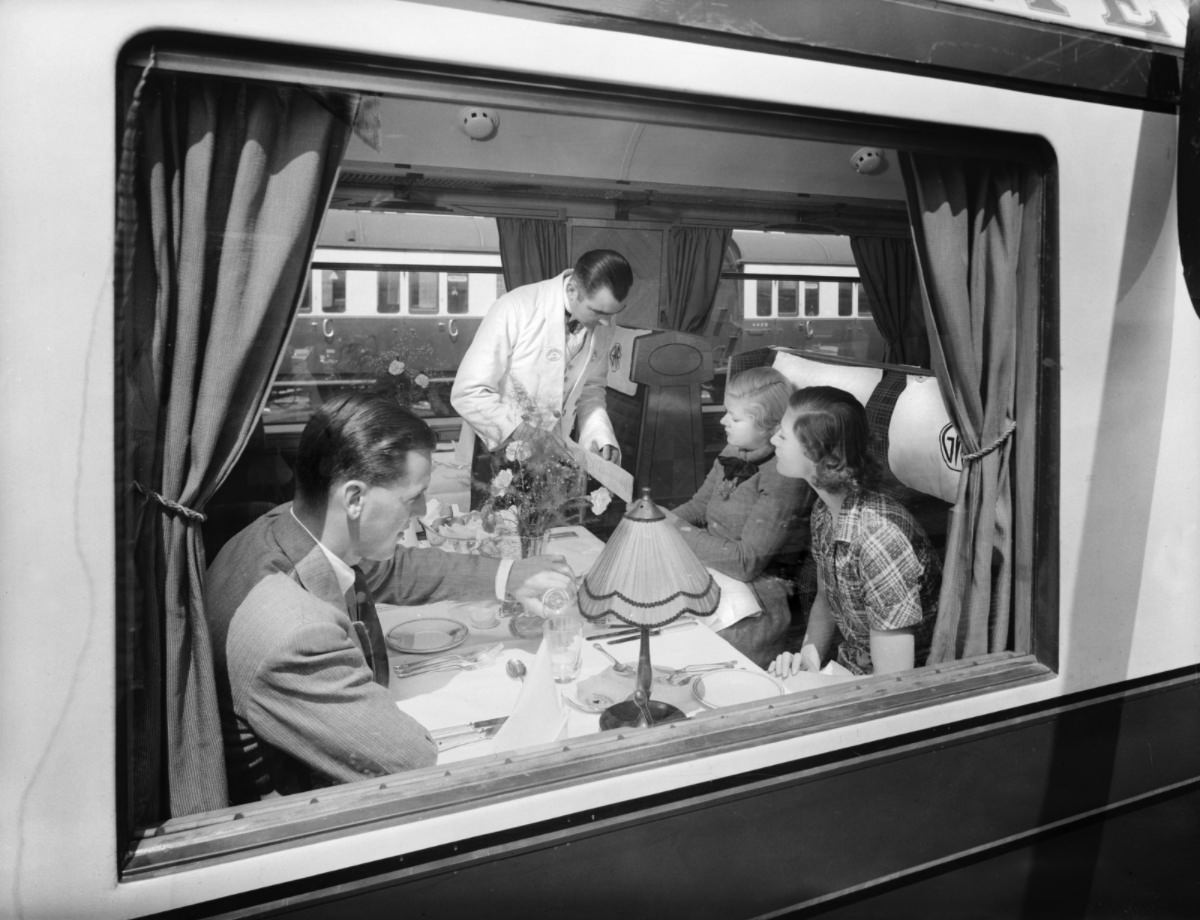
{"x":922,"y":441}
{"x":860,"y":382}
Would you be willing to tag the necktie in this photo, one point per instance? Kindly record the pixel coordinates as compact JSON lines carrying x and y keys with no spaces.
{"x":368,"y":630}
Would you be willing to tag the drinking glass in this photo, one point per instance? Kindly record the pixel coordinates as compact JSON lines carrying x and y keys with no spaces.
{"x":563,"y":629}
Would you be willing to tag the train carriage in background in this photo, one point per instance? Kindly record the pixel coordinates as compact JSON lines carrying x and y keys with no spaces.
{"x":219,"y":220}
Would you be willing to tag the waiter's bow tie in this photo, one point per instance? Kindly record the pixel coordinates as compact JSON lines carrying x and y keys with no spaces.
{"x":573,"y":325}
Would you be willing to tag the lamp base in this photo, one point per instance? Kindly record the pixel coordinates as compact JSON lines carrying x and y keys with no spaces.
{"x":626,"y":714}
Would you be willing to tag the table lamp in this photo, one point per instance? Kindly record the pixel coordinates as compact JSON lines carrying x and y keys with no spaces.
{"x":646,"y":576}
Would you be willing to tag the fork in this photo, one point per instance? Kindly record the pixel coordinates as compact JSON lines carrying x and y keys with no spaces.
{"x":447,"y":666}
{"x":681,"y":676}
{"x":479,"y":656}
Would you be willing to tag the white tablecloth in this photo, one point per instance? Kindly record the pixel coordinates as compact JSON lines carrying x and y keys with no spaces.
{"x":452,"y":698}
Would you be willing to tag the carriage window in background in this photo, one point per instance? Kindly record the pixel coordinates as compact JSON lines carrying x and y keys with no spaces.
{"x":812,"y":298}
{"x":809,"y":307}
{"x":762,"y":301}
{"x":333,"y":291}
{"x":376,"y":317}
{"x":788,"y":305}
{"x":457,"y":293}
{"x":422,"y":293}
{"x":845,"y":296}
{"x":389,"y":292}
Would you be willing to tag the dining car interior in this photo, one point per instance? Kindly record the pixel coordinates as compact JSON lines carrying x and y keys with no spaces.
{"x":847,"y":570}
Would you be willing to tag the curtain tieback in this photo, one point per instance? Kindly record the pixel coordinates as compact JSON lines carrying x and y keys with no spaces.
{"x":995,"y":445}
{"x":173,"y":507}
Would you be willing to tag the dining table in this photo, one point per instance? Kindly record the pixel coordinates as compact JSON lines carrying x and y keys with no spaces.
{"x":467,"y":703}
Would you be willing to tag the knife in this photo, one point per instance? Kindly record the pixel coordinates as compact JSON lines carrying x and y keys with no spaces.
{"x":637,"y":633}
{"x":456,"y":735}
{"x":620,"y":631}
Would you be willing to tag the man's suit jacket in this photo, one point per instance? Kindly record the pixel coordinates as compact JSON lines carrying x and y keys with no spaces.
{"x":515,"y":370}
{"x":299,"y":705}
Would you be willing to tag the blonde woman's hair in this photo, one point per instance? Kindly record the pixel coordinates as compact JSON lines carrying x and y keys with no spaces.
{"x":765,"y":393}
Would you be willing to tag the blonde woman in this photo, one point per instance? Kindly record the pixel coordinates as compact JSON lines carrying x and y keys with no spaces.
{"x":746,"y":515}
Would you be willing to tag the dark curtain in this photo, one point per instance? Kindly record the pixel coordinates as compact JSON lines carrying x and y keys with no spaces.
{"x":531,"y":250}
{"x":977,"y":229}
{"x":694,"y":258}
{"x":888,"y":269}
{"x":223,"y":186}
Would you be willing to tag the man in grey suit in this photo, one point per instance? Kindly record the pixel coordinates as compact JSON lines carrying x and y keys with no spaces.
{"x":300,"y":659}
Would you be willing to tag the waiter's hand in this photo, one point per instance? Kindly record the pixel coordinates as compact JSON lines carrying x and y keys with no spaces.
{"x":530,"y":578}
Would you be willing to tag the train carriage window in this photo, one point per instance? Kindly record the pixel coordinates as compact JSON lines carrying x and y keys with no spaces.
{"x":762,"y":299}
{"x":845,"y":298}
{"x":812,"y":298}
{"x":333,"y":292}
{"x":423,"y":309}
{"x":788,"y":299}
{"x":389,"y":291}
{"x":423,"y":293}
{"x":457,"y":293}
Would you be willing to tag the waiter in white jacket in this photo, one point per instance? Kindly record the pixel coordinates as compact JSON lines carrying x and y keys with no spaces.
{"x":539,"y":359}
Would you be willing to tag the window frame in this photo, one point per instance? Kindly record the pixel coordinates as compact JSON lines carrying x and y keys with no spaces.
{"x":247,"y":830}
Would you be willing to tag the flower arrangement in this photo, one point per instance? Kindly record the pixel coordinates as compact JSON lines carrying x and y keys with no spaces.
{"x":536,"y":484}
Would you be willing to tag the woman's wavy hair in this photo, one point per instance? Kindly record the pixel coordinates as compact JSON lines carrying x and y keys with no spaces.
{"x":765,"y":393}
{"x":363,"y":436}
{"x":831,"y":425}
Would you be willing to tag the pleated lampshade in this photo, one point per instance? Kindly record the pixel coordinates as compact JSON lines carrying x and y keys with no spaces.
{"x":647,"y":575}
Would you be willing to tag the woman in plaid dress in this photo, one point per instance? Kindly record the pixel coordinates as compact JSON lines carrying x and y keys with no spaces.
{"x":877,"y":576}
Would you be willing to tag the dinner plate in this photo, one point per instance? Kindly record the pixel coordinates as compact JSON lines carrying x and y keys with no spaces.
{"x":426,"y":635}
{"x":732,"y":686}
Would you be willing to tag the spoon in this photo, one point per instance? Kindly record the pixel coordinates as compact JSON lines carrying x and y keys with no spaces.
{"x":515,"y":669}
{"x":619,"y":666}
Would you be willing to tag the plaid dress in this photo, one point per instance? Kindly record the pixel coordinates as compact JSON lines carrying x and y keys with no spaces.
{"x":879,"y":572}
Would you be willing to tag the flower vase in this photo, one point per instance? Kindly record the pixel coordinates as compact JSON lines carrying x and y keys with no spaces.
{"x":533,"y":544}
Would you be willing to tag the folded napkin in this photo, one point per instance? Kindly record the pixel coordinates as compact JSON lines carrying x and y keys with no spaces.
{"x":538,"y":716}
{"x":738,"y":601}
{"x":468,"y":695}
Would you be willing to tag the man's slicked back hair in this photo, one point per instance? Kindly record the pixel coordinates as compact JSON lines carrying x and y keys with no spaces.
{"x":360,"y":436}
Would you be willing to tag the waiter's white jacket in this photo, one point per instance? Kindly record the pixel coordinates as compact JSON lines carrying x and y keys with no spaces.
{"x":514,"y":371}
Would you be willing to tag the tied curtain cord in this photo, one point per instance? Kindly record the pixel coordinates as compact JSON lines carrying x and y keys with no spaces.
{"x":977,"y":229}
{"x":223,"y":188}
{"x":888,"y":268}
